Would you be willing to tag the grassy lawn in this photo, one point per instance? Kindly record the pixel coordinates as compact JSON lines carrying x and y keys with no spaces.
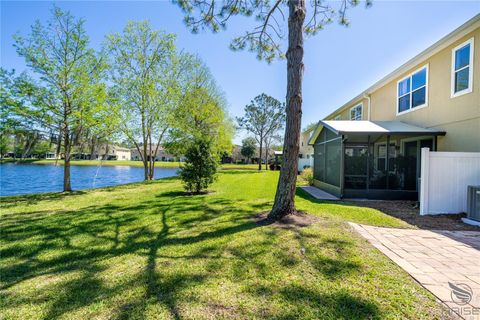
{"x":148,"y":251}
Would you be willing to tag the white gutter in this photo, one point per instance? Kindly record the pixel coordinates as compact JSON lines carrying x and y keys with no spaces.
{"x":367,"y":96}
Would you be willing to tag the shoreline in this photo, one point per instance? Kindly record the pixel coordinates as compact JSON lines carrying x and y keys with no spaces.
{"x":94,"y":163}
{"x":130,"y":163}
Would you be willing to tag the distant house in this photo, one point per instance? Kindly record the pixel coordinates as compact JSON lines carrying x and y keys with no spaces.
{"x":160,"y":155}
{"x":371,"y":146}
{"x":50,"y":155}
{"x":306,"y":150}
{"x":105,"y":152}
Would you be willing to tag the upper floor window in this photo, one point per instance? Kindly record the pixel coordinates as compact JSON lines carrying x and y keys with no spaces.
{"x":462,"y":68}
{"x":356,"y":112}
{"x":338,"y":117}
{"x":412,"y":91}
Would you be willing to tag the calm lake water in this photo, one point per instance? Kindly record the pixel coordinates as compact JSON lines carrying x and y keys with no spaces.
{"x":16,"y":179}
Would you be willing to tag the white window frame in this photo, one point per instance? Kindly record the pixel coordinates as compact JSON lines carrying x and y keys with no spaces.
{"x":454,"y":94}
{"x":410,"y":109}
{"x":361,"y":111}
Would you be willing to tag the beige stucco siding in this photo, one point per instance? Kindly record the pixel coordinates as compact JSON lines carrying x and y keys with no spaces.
{"x":458,"y":116}
{"x":461,"y":136}
{"x":305,"y":149}
{"x":345,"y":113}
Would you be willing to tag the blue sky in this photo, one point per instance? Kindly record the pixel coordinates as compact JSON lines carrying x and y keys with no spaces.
{"x":339,"y":62}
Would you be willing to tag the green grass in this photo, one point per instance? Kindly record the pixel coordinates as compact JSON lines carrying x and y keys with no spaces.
{"x":148,"y":251}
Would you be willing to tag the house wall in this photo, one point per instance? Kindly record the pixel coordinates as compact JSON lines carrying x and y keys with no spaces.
{"x":161,"y":155}
{"x":123,"y":154}
{"x":344,"y":113}
{"x":305,"y":149}
{"x":458,"y":116}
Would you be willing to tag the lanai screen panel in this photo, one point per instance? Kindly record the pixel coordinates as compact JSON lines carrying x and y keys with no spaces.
{"x":327,"y":157}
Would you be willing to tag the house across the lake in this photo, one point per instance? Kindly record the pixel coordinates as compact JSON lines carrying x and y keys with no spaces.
{"x":370,"y":147}
{"x":105,"y":152}
{"x":160,"y":155}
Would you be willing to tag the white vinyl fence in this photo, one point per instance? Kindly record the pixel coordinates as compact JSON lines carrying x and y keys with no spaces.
{"x":445,"y":177}
{"x":305,"y":162}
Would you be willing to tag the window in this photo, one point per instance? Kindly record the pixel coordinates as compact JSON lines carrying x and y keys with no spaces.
{"x":381,"y":153}
{"x":338,"y":117}
{"x":356,"y":112}
{"x":462,"y":68}
{"x":412,"y":91}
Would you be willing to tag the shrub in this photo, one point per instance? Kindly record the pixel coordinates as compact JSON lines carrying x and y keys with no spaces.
{"x":200,"y":166}
{"x":307,"y":176}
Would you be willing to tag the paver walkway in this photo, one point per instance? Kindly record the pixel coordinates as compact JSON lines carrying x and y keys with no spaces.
{"x":447,"y":263}
{"x":318,"y":193}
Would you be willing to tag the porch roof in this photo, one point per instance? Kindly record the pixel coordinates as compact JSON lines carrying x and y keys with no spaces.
{"x":372,"y":127}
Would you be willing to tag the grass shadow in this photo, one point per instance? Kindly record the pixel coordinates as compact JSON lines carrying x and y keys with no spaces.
{"x":335,"y":305}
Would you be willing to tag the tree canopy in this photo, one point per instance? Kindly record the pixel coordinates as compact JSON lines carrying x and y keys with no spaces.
{"x":69,"y":89}
{"x":263,"y":117}
{"x":249,"y":146}
{"x":201,"y":110}
{"x":142,"y":71}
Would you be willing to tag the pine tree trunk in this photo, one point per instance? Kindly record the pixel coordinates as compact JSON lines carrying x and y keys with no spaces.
{"x":285,"y":196}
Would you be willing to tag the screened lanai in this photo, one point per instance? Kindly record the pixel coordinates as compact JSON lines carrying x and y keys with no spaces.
{"x":370,"y":159}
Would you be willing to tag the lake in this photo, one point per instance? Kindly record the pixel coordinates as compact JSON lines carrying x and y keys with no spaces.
{"x":17,"y":179}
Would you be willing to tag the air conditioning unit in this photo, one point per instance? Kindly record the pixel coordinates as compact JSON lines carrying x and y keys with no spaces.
{"x":473,"y":203}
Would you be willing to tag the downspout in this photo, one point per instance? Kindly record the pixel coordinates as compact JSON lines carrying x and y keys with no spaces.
{"x":367,"y":96}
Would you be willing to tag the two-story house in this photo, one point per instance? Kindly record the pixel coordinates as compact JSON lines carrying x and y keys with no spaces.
{"x":370,"y":146}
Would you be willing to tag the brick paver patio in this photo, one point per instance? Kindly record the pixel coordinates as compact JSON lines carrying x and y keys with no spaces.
{"x":435,"y":258}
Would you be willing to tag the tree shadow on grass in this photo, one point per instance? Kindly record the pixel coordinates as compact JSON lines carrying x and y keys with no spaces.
{"x":335,"y":305}
{"x":31,"y":199}
{"x":106,"y":225}
{"x":149,"y":229}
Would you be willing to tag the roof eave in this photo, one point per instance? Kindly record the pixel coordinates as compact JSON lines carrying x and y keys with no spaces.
{"x":406,"y":133}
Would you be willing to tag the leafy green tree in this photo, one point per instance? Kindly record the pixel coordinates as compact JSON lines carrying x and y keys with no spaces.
{"x":249,"y":146}
{"x":25,"y":124}
{"x":143,"y":73}
{"x":5,"y":143}
{"x":200,"y":166}
{"x":41,"y":148}
{"x":263,"y":117}
{"x":201,"y":110}
{"x":266,"y":41}
{"x":69,"y":74}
